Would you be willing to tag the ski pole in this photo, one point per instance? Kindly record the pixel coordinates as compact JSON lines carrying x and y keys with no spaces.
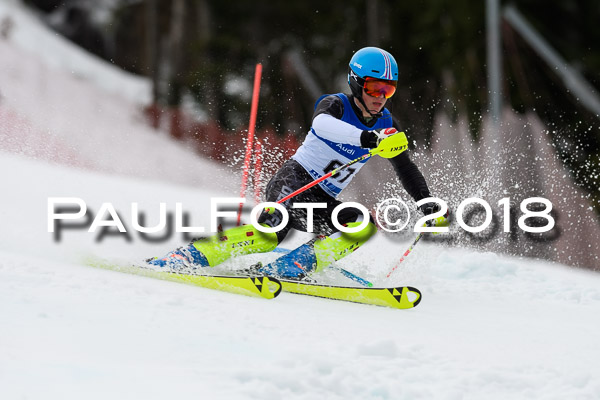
{"x":388,"y":148}
{"x":439,"y":221}
{"x":350,"y":275}
{"x":321,"y":179}
{"x":406,"y":253}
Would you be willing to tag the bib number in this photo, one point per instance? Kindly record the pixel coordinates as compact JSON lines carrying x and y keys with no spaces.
{"x":341,"y":177}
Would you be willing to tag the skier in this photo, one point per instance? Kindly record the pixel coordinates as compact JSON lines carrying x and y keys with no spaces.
{"x":344,"y":127}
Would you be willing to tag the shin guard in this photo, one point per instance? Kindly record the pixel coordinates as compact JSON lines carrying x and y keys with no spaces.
{"x":236,"y":241}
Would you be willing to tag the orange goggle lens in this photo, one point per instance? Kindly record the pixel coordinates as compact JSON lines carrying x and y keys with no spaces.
{"x":376,"y":87}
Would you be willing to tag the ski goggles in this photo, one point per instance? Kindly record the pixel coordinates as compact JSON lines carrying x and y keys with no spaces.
{"x":376,"y":87}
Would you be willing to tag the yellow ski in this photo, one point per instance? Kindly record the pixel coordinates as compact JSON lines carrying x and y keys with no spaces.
{"x":259,"y":286}
{"x":398,"y":297}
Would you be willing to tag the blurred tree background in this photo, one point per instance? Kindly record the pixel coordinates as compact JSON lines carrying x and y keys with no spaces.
{"x":205,"y":51}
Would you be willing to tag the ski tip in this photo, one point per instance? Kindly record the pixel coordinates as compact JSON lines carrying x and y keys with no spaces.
{"x":415,"y":294}
{"x":405,"y":296}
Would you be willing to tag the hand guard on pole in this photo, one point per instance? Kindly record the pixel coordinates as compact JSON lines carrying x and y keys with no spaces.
{"x":392,"y":145}
{"x":372,"y":139}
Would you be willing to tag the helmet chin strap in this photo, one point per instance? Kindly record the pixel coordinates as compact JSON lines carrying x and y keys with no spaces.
{"x":376,"y":115}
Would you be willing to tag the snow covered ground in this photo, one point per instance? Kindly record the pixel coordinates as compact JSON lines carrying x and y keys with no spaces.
{"x":489,"y":327}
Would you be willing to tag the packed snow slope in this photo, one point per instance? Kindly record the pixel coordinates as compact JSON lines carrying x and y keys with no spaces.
{"x":488,"y":327}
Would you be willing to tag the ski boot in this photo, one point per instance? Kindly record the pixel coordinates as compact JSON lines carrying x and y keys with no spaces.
{"x":212,"y":251}
{"x":295,"y":265}
{"x":316,"y":254}
{"x":184,"y":258}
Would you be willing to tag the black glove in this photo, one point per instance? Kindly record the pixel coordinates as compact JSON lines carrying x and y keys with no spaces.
{"x":371,"y":139}
{"x":430,"y":208}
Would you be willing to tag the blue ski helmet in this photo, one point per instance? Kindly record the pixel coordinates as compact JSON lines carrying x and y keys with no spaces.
{"x":370,"y":62}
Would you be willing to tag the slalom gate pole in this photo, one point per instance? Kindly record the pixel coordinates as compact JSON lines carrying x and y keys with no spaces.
{"x":258,"y":162}
{"x":406,"y":253}
{"x":249,"y":143}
